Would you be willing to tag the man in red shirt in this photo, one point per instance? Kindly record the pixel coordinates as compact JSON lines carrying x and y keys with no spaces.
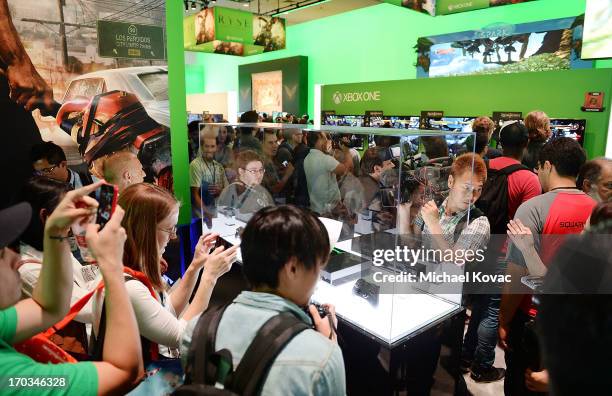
{"x":562,"y":209}
{"x":523,"y":184}
{"x":480,"y":339}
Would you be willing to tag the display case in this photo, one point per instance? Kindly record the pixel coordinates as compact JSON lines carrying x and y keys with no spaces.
{"x":368,"y":186}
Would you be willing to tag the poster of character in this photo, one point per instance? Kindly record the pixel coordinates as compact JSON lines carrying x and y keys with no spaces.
{"x":205,"y":26}
{"x":267,"y":91}
{"x":269,"y":32}
{"x":93,"y":107}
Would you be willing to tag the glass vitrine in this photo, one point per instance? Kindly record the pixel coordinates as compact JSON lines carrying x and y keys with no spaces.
{"x":369,"y":187}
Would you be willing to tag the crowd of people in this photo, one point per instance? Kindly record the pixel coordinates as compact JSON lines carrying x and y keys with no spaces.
{"x":532,"y":189}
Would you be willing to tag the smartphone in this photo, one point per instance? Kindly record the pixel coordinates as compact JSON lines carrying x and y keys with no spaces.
{"x":106,"y":195}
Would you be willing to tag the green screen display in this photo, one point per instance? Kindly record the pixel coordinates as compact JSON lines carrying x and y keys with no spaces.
{"x":130,"y":40}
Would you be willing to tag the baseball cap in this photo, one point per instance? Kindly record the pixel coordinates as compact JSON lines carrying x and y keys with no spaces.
{"x":513,"y":134}
{"x":13,"y":221}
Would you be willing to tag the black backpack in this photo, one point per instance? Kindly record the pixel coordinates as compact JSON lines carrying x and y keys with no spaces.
{"x":210,"y":372}
{"x":493,"y":201}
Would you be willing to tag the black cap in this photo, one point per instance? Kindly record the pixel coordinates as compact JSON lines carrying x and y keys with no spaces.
{"x":13,"y":221}
{"x":514,"y":134}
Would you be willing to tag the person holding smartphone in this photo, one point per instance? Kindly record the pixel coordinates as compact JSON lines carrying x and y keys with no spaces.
{"x":121,"y":365}
{"x":151,"y":214}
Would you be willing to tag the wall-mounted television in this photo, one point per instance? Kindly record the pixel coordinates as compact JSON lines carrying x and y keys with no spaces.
{"x":451,"y":124}
{"x":344,"y":120}
{"x":564,"y":127}
{"x":193,"y":117}
{"x":395,"y":122}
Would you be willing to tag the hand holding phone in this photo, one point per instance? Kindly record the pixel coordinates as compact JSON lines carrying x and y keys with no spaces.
{"x":106,"y":195}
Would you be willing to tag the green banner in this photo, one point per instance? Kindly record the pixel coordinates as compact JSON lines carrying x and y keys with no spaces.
{"x":130,"y":40}
{"x":445,"y":7}
{"x":233,"y":25}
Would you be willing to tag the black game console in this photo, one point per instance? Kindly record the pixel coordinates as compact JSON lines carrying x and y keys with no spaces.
{"x":342,"y":267}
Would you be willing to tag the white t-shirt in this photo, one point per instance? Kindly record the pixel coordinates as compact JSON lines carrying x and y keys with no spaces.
{"x":322,"y":185}
{"x":157,"y":321}
{"x":86,"y":277}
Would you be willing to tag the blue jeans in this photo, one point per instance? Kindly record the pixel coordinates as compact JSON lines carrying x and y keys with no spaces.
{"x":481,"y":336}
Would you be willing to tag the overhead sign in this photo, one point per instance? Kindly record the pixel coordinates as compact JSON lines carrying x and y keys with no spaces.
{"x":233,"y":32}
{"x":130,"y":40}
{"x":445,"y":7}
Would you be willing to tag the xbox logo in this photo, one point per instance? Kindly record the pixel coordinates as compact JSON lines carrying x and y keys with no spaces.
{"x":337,"y":97}
{"x":132,"y":30}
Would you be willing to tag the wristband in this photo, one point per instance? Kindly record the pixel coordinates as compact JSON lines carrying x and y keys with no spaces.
{"x":58,"y":237}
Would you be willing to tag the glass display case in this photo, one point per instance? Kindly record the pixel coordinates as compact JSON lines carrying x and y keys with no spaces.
{"x":368,"y":186}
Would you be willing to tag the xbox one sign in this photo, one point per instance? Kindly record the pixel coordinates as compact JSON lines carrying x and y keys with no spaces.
{"x":367,"y":96}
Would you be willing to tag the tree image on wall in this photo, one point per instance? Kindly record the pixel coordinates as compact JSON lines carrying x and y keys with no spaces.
{"x":422,"y":47}
{"x":530,"y":50}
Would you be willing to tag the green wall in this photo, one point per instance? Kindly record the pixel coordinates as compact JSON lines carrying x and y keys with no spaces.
{"x":369,"y":44}
{"x":558,"y":93}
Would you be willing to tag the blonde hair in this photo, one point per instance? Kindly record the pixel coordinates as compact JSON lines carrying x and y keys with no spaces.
{"x":115,"y":163}
{"x":483,"y":124}
{"x":538,"y":125}
{"x":209,"y":132}
{"x":109,"y":166}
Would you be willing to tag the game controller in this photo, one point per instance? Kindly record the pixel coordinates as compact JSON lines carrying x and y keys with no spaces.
{"x":367,"y":291}
{"x":320,"y":309}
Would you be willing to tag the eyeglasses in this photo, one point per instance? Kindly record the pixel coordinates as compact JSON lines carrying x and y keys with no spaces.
{"x":256,"y":171}
{"x":45,"y":171}
{"x":171,"y":231}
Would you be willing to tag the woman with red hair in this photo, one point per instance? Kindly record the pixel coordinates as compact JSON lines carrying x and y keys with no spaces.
{"x":151,"y":214}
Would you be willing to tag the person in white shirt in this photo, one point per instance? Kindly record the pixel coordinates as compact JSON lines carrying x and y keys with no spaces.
{"x":151,"y":214}
{"x":321,"y":170}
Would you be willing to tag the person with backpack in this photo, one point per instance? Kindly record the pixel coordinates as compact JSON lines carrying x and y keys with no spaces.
{"x":151,"y":214}
{"x":457,"y":225}
{"x":120,"y":366}
{"x":508,"y":185}
{"x":265,"y":341}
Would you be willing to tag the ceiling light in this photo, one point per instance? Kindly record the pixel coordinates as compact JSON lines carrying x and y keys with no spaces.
{"x":296,"y":7}
{"x":193,"y":5}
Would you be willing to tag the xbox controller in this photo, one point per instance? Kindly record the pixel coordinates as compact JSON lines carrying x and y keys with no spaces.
{"x":320,"y":309}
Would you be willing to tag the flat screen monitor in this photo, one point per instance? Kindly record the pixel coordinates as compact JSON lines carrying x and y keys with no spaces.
{"x":568,"y":128}
{"x":452,"y":124}
{"x":344,"y":120}
{"x":395,"y":122}
{"x":194,"y":117}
